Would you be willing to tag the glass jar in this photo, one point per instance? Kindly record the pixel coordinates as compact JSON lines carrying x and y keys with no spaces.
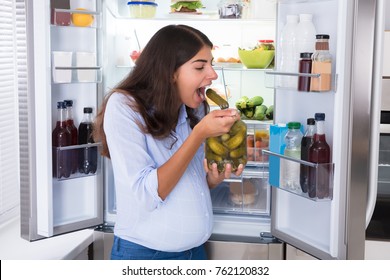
{"x":230,"y":8}
{"x":228,"y":148}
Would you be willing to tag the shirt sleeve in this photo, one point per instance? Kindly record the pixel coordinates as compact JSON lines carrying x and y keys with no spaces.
{"x":134,"y":170}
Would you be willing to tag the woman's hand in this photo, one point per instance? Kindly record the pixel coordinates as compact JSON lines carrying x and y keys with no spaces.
{"x":216,"y":123}
{"x":214,"y":177}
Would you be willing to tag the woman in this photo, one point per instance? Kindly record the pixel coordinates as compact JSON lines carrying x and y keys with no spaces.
{"x":152,"y":126}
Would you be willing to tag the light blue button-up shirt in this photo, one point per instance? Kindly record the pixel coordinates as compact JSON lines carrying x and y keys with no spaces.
{"x":184,"y":219}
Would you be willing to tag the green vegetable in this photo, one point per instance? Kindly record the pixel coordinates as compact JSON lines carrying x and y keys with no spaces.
{"x":269,"y":114}
{"x":241,"y":102}
{"x":254,"y":101}
{"x":260,"y":112}
{"x":249,"y":112}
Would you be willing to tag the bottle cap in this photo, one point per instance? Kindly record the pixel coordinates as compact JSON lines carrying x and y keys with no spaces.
{"x":87,"y":110}
{"x":61,"y":105}
{"x":68,"y":103}
{"x":294,"y":125}
{"x":322,"y":36}
{"x":306,"y":55}
{"x":311,"y":121}
{"x":319,"y":116}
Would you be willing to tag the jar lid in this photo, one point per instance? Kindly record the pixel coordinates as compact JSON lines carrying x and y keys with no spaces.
{"x":319,"y":116}
{"x":141,"y":3}
{"x":294,"y":125}
{"x":311,"y":121}
{"x":322,"y":36}
{"x":87,"y":110}
{"x":306,"y":55}
{"x":61,"y":105}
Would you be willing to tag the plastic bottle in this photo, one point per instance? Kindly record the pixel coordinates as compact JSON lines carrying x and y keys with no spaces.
{"x":61,"y":138}
{"x":307,"y":141}
{"x":87,"y":155}
{"x":73,"y":134}
{"x":319,"y":152}
{"x":290,"y":169}
{"x":306,"y":34}
{"x":288,"y":52}
{"x":304,"y":67}
{"x":322,"y":64}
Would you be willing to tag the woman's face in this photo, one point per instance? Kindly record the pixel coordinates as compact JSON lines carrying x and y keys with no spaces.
{"x":193,"y":76}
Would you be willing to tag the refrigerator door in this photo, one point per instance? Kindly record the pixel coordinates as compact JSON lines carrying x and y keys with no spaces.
{"x":52,"y":205}
{"x":334,"y":228}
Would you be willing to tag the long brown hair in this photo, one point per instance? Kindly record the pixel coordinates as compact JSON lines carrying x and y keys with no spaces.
{"x":151,"y":84}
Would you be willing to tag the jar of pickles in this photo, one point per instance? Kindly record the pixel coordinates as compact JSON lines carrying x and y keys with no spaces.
{"x":228,"y":148}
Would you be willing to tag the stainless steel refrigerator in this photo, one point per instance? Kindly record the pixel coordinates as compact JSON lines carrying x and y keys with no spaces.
{"x":332,"y":228}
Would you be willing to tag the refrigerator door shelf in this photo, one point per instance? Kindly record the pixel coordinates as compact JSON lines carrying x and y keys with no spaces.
{"x":323,"y":173}
{"x":82,"y":74}
{"x":76,"y":18}
{"x":276,"y":79}
{"x":68,"y":161}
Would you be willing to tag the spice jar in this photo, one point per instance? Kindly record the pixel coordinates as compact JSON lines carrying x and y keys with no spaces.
{"x":322,"y":64}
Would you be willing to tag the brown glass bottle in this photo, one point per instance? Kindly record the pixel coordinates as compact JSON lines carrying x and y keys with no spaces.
{"x":73,"y":134}
{"x":305,"y":65}
{"x":307,"y":141}
{"x":87,"y":155}
{"x":61,"y":138}
{"x":319,"y":152}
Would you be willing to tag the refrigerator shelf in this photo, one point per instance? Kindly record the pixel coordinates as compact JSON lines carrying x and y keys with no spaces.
{"x":250,"y":196}
{"x":76,"y":74}
{"x":322,"y":174}
{"x":65,"y":18}
{"x":69,"y":161}
{"x":278,"y":80}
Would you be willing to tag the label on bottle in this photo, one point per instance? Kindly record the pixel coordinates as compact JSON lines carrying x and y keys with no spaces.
{"x":323,"y":83}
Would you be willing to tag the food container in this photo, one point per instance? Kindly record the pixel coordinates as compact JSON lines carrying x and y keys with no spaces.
{"x":230,"y":9}
{"x":228,"y":148}
{"x":142,"y":9}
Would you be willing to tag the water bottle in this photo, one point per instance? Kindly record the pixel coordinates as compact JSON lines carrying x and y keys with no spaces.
{"x":288,"y":52}
{"x":290,"y":169}
{"x":306,"y":34}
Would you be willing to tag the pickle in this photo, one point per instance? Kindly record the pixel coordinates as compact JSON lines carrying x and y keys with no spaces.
{"x":217,"y":147}
{"x":212,"y":157}
{"x":237,"y":153}
{"x":235,"y":141}
{"x":225,"y":137}
{"x":238,"y":126}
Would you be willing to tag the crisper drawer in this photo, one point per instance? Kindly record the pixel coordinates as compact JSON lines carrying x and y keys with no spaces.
{"x":249,"y":194}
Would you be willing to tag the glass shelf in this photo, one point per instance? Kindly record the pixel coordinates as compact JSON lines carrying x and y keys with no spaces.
{"x":321,"y":174}
{"x":289,"y":80}
{"x":67,"y":161}
{"x":75,"y":18}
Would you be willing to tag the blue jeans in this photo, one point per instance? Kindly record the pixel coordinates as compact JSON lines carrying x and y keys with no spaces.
{"x":126,"y":250}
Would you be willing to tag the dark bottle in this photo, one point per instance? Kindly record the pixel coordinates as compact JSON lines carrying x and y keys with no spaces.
{"x":307,"y":141}
{"x":61,"y":138}
{"x":319,"y":152}
{"x":87,"y":155}
{"x":73,"y":134}
{"x":304,"y":67}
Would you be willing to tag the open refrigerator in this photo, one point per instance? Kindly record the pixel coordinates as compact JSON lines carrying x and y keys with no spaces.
{"x":332,"y":228}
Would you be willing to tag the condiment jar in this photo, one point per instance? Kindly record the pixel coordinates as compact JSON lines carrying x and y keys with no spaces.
{"x":228,"y":148}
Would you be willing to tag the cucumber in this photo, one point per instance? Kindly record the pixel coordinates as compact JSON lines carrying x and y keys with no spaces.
{"x":255,"y":101}
{"x":269,"y":114}
{"x":260,"y":112}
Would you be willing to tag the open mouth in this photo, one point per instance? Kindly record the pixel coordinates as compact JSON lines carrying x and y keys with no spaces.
{"x":201,"y":92}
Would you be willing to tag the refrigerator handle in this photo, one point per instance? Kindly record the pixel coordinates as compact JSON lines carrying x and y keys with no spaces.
{"x":375,"y":109}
